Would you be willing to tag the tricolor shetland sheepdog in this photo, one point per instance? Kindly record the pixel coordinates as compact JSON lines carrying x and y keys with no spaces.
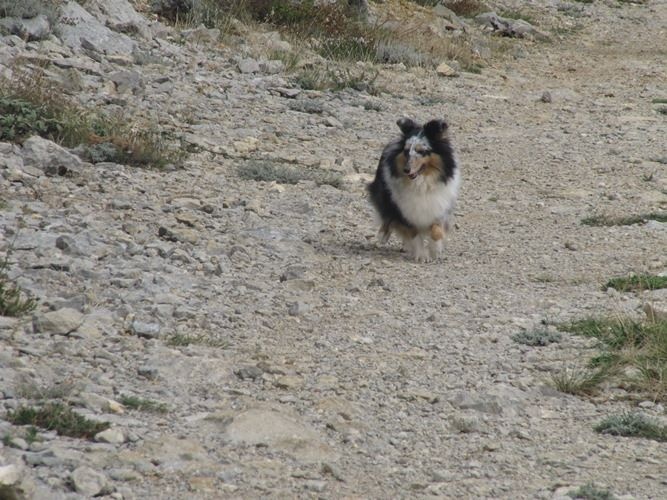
{"x":415,"y":188}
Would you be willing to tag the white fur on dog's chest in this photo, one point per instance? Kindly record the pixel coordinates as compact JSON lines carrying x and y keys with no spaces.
{"x":425,"y":200}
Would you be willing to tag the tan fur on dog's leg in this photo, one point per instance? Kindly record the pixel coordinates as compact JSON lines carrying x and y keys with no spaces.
{"x":437,"y":232}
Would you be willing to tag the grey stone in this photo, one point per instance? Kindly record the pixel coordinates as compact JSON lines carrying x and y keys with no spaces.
{"x":49,"y":156}
{"x":67,"y":245}
{"x":127,"y":81}
{"x":10,"y":474}
{"x":278,"y":431}
{"x":178,"y":234}
{"x":145,"y":330}
{"x":60,"y":322}
{"x":149,"y":372}
{"x":484,"y":404}
{"x":111,"y":436}
{"x":124,"y":474}
{"x":249,"y":66}
{"x":78,"y":27}
{"x":88,"y":482}
{"x":248,"y":372}
{"x":201,"y":34}
{"x":298,"y":308}
{"x":272,"y":67}
{"x":510,"y":27}
{"x":35,"y":28}
{"x":317,"y":486}
{"x":119,"y":15}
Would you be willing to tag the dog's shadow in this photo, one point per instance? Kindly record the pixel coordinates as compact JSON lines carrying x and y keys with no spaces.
{"x":371,"y":249}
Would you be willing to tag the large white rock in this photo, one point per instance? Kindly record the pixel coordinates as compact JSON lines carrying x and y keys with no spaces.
{"x":278,"y":431}
{"x":77,"y":27}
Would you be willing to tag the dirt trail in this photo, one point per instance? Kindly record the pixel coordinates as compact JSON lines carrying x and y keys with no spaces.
{"x":314,"y":362}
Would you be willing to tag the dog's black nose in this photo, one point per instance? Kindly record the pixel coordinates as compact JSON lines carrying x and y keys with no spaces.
{"x":406,"y":170}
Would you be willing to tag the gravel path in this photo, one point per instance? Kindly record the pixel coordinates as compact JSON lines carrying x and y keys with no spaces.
{"x":319,"y":363}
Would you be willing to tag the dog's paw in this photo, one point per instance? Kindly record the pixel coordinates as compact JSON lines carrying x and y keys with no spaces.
{"x":420,"y":253}
{"x":435,"y":249}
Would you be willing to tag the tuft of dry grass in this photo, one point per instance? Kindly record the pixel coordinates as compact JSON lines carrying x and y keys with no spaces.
{"x":637,"y":282}
{"x":31,"y":104}
{"x":633,"y":352}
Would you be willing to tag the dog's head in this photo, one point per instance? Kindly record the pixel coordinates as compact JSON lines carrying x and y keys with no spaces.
{"x":422,"y":145}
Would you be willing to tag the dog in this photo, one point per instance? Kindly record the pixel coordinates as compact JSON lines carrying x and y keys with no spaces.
{"x":415,"y":188}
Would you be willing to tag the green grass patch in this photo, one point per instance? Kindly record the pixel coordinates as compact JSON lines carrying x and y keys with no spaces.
{"x":606,"y":220}
{"x":632,"y":425}
{"x":633,"y":352}
{"x":636,"y":283}
{"x":13,"y":301}
{"x":31,"y":104}
{"x":284,"y":174}
{"x":141,"y":404}
{"x":57,"y":417}
{"x":579,"y":381}
{"x":541,"y":337}
{"x":184,"y":340}
{"x":591,"y":492}
{"x":27,"y":9}
{"x":336,"y":79}
{"x":30,"y":390}
{"x":517,"y":14}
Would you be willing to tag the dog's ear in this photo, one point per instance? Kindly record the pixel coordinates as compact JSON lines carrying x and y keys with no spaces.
{"x":436,"y":129}
{"x":407,"y":126}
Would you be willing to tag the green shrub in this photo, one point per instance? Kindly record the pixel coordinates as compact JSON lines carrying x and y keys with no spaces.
{"x":590,"y":492}
{"x":56,"y":417}
{"x":12,"y":299}
{"x":30,"y":104}
{"x":637,"y":283}
{"x":632,"y":425}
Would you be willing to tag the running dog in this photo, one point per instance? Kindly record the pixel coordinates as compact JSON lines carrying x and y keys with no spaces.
{"x":415,"y":188}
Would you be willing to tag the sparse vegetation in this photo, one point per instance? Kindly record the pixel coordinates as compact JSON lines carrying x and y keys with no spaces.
{"x":284,"y":174}
{"x":13,"y":301}
{"x":579,"y":381}
{"x":30,"y":104}
{"x":637,"y":283}
{"x":466,"y":8}
{"x":605,"y":220}
{"x":57,"y":417}
{"x":590,"y":492}
{"x":141,"y":404}
{"x":632,"y":425}
{"x":540,"y":337}
{"x":29,"y":8}
{"x":182,"y":340}
{"x":633,"y":352}
{"x":327,"y":78}
{"x":659,"y":100}
{"x":337,"y":31}
{"x":517,"y":14}
{"x":30,"y":390}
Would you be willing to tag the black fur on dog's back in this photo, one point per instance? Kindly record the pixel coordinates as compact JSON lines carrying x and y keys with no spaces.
{"x":435,"y":132}
{"x":379,"y":190}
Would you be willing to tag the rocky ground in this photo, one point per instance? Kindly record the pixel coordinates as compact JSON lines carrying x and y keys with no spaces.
{"x":295,"y":355}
